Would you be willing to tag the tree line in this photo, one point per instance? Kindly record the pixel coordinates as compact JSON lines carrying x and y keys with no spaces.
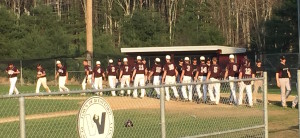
{"x":32,"y":29}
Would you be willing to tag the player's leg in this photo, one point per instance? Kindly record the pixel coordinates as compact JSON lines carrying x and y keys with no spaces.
{"x":83,"y":84}
{"x":167,"y":81}
{"x":38,"y":85}
{"x":210,"y":91}
{"x":204,"y":88}
{"x":242,"y":87}
{"x":13,"y":85}
{"x":217,"y":92}
{"x":249,"y":94}
{"x":173,"y":81}
{"x":142,"y":83}
{"x":127,"y":82}
{"x":255,"y":91}
{"x":63,"y":84}
{"x":282,"y":90}
{"x":44,"y":83}
{"x":190,"y":88}
{"x":96,"y":83}
{"x":135,"y":84}
{"x":112,"y":84}
{"x":183,"y":89}
{"x":156,"y":82}
{"x":122,"y":84}
{"x":198,"y":87}
{"x":288,"y":88}
{"x":295,"y":102}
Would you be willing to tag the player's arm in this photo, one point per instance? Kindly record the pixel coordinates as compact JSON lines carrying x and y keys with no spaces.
{"x":150,"y":75}
{"x":93,"y":76}
{"x":289,"y":74}
{"x":121,"y":73}
{"x":182,"y":74}
{"x":56,"y":75}
{"x":16,"y":72}
{"x":164,"y":76}
{"x":103,"y":75}
{"x":208,"y":75}
{"x":176,"y":73}
{"x":196,"y":75}
{"x":226,"y":73}
{"x":133,"y":74}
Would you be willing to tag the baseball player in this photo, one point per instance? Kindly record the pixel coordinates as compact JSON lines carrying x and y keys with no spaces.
{"x":88,"y":74}
{"x":119,"y":64}
{"x":138,"y":74}
{"x":97,"y":75}
{"x":12,"y":72}
{"x":246,"y":72}
{"x":156,"y":71}
{"x":232,"y":72}
{"x":208,"y":61}
{"x":201,"y":74}
{"x":169,"y":77}
{"x":112,"y":74}
{"x":63,"y":77}
{"x":179,"y":69}
{"x":259,"y":71}
{"x":41,"y":76}
{"x":283,"y":76}
{"x":214,"y":75}
{"x":125,"y":72}
{"x":186,"y":77}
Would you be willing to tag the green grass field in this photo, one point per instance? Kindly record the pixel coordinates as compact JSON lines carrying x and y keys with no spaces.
{"x":146,"y":122}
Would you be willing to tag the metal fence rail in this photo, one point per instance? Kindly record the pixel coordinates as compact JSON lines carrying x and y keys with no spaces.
{"x":53,"y":115}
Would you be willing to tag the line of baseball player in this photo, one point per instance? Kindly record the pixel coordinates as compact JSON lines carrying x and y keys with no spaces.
{"x":169,"y":73}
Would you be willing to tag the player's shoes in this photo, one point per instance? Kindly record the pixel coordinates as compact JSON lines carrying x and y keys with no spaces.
{"x":293,"y":106}
{"x":284,"y":106}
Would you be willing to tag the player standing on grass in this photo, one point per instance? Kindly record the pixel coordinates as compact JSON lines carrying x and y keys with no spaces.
{"x":186,"y":77}
{"x":179,"y":69}
{"x":169,"y":77}
{"x":41,"y":76}
{"x":283,"y":76}
{"x":98,"y":73}
{"x":259,"y":71}
{"x":88,"y":74}
{"x":63,"y":77}
{"x":213,"y":76}
{"x":112,"y":74}
{"x":246,"y":72}
{"x":125,"y":72}
{"x":138,"y":74}
{"x":201,"y":74}
{"x":12,"y":72}
{"x":156,"y":71}
{"x":232,"y":72}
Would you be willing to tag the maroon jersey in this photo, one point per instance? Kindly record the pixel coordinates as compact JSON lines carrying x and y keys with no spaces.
{"x":215,"y":71}
{"x":188,"y":69}
{"x":40,"y":72}
{"x":98,"y":71}
{"x":202,"y":69}
{"x":157,"y":70}
{"x":14,"y":69}
{"x":233,"y":70}
{"x":170,"y":68}
{"x":88,"y":68}
{"x":62,"y":71}
{"x":127,"y":70}
{"x":194,"y":69}
{"x":140,"y":68}
{"x":247,"y":73}
{"x":112,"y":70}
{"x":283,"y":71}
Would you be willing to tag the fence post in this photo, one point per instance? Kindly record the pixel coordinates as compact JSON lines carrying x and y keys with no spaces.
{"x":21,"y":66}
{"x":55,"y":82}
{"x":162,"y":113}
{"x":22,"y":117}
{"x":298,"y":90}
{"x":265,"y":96}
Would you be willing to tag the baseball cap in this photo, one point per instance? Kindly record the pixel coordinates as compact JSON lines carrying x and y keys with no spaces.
{"x":258,"y":61}
{"x":119,"y":60}
{"x":186,"y":58}
{"x":58,"y":62}
{"x":202,"y":58}
{"x":168,"y":57}
{"x":214,"y":59}
{"x":138,"y":58}
{"x":282,"y":57}
{"x":181,"y":60}
{"x":157,"y":60}
{"x":231,"y":56}
{"x":125,"y":59}
{"x":195,"y":59}
{"x":110,"y":61}
{"x":98,"y":62}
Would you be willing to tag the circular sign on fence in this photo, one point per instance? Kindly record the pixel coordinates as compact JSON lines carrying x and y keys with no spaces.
{"x":95,"y":119}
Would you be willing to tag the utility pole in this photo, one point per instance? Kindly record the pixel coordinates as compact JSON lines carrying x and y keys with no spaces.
{"x":298,"y":3}
{"x":89,"y":30}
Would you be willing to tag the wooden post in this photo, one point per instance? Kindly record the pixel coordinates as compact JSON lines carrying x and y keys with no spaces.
{"x":89,"y":30}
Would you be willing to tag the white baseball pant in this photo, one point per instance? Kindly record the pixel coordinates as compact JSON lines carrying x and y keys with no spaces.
{"x":214,"y":97}
{"x":187,"y":79}
{"x":42,"y":81}
{"x":84,"y":82}
{"x":285,"y":88}
{"x":98,"y":83}
{"x":112,"y":84}
{"x":13,"y":87}
{"x":232,"y":85}
{"x":139,"y":79}
{"x":248,"y":92}
{"x":61,"y":84}
{"x":204,"y":87}
{"x":157,"y":81}
{"x":171,"y":80}
{"x":125,"y":80}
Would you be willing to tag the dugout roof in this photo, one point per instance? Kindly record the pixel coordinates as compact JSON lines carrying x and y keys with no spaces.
{"x":183,"y":50}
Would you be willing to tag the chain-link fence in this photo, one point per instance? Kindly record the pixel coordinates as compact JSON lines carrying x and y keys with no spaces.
{"x":55,"y":114}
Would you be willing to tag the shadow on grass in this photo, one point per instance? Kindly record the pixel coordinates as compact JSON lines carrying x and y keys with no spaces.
{"x":292,"y":128}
